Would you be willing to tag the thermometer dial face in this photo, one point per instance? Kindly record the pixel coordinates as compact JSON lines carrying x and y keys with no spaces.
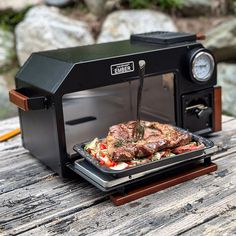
{"x":202,"y":66}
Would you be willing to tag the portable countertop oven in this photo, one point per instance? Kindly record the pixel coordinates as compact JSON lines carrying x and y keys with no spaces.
{"x":68,"y":96}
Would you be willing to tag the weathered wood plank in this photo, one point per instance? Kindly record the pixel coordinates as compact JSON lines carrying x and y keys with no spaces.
{"x":31,"y":194}
{"x":8,"y":124}
{"x":30,"y":190}
{"x":45,"y":201}
{"x":18,"y":168}
{"x":227,"y":138}
{"x":12,"y":143}
{"x":186,"y":202}
{"x":56,"y":206}
{"x":21,"y":170}
{"x":198,"y":216}
{"x":226,"y":118}
{"x":223,"y":224}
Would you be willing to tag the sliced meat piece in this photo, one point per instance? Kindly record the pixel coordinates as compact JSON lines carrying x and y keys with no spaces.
{"x":157,"y":136}
{"x":119,"y":131}
{"x":124,"y":153}
{"x":155,"y":145}
{"x":187,"y":148}
{"x":171,"y":135}
{"x":148,"y":132}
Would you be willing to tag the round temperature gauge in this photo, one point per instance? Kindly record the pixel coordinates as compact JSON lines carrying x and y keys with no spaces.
{"x":202,"y":66}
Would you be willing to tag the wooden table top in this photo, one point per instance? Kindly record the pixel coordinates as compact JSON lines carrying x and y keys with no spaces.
{"x":35,"y":201}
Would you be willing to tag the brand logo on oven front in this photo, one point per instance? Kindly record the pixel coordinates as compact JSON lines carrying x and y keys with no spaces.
{"x":122,"y":68}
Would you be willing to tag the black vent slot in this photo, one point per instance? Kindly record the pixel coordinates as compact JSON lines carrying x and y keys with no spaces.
{"x":80,"y":120}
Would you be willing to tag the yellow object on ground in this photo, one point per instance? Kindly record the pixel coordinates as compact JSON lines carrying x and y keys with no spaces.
{"x":9,"y":134}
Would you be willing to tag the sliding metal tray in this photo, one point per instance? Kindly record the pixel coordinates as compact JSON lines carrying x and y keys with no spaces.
{"x":79,"y":148}
{"x":109,"y":183}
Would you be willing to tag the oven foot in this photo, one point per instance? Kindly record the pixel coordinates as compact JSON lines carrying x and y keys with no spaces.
{"x":121,"y":191}
{"x":207,"y":161}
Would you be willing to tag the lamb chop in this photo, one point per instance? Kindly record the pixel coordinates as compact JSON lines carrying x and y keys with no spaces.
{"x":122,"y":146}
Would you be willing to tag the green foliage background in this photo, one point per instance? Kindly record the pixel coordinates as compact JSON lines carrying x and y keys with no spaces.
{"x":165,"y":4}
{"x":9,"y":19}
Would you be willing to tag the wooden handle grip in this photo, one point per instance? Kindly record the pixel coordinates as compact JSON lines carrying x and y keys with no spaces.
{"x":217,"y":109}
{"x":19,"y":99}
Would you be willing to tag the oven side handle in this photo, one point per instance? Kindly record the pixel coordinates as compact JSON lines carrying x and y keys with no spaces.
{"x":217,"y":122}
{"x":25,"y":102}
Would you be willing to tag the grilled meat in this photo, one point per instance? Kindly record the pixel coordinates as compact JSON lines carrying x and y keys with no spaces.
{"x":122,"y":146}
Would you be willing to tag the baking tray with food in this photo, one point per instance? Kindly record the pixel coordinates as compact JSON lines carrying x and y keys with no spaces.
{"x":119,"y":154}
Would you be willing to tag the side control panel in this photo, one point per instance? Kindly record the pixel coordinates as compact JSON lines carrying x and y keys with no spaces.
{"x":198,"y":110}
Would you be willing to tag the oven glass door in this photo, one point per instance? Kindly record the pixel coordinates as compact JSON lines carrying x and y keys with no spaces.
{"x":90,"y":113}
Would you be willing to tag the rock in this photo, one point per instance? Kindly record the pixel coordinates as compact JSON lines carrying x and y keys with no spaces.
{"x":221,"y":40}
{"x":59,"y":3}
{"x":121,"y":24}
{"x":222,"y":7}
{"x":7,"y":49}
{"x":196,"y":8}
{"x":205,"y":7}
{"x":45,"y":28}
{"x":96,"y":7}
{"x":226,"y":78}
{"x":7,"y":109}
{"x":18,"y":5}
{"x":112,"y":5}
{"x":3,"y":91}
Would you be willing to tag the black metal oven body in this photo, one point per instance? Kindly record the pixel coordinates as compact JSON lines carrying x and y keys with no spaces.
{"x":74,"y":94}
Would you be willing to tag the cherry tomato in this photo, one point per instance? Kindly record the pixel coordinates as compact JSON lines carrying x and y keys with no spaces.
{"x":94,"y":155}
{"x":102,"y":154}
{"x":102,"y":162}
{"x":102,"y":146}
{"x":110,"y":163}
{"x":114,"y":163}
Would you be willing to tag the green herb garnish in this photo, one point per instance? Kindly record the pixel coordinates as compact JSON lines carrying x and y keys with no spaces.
{"x":119,"y":143}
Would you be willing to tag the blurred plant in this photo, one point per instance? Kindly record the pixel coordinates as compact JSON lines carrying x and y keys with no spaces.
{"x":9,"y":19}
{"x":165,"y":4}
{"x":79,"y":6}
{"x":137,"y":4}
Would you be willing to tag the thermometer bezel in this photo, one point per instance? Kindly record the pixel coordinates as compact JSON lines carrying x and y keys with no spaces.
{"x":193,"y":60}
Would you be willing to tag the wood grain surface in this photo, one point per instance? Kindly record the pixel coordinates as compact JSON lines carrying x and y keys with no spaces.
{"x":158,"y":184}
{"x":35,"y":201}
